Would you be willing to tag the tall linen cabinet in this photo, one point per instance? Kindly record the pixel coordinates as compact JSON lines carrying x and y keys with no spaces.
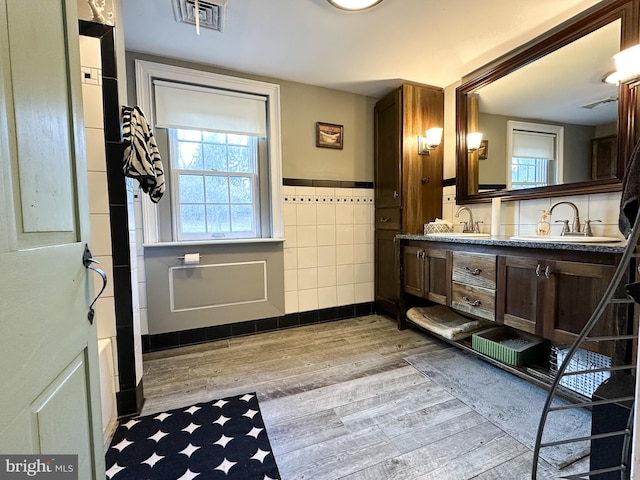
{"x":408,"y":185}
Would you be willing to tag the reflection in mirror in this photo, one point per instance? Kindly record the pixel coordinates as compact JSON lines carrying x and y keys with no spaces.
{"x":545,"y":136}
{"x":549,"y":122}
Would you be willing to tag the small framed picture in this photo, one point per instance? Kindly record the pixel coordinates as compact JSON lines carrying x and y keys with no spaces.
{"x":329,"y":135}
{"x":483,"y":151}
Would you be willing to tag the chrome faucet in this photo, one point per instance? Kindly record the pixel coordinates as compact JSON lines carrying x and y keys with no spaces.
{"x":575,"y":227}
{"x":470,"y":226}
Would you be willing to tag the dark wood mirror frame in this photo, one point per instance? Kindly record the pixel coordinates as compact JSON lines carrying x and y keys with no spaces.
{"x":628,"y":11}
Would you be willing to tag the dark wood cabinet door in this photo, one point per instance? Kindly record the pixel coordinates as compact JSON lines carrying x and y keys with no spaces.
{"x":604,"y":157}
{"x":387,"y":279}
{"x":518,"y":296}
{"x":438,"y":276}
{"x":387,"y":151}
{"x":413,"y":270}
{"x":572,"y":292}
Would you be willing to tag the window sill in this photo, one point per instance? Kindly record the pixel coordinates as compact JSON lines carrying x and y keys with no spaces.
{"x":234,"y":241}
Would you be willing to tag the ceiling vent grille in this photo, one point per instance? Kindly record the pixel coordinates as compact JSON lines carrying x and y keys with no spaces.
{"x":599,"y":103}
{"x":211,"y":13}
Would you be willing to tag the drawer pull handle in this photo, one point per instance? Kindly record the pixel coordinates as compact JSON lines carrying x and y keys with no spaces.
{"x":475,"y":303}
{"x":384,"y":219}
{"x":476,"y":271}
{"x":538,"y":270}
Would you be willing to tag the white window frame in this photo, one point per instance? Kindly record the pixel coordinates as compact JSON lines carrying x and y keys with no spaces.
{"x":175,"y":190}
{"x":556,"y":130}
{"x":147,"y":71}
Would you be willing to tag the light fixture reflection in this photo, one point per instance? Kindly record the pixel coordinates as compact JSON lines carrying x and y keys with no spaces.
{"x":474,"y":139}
{"x":354,"y":4}
{"x":628,"y":65}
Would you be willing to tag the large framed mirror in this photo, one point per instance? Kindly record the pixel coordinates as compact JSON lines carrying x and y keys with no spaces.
{"x":550,"y":124}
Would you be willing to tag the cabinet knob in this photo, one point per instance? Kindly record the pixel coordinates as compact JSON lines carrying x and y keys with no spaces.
{"x":475,"y":271}
{"x":474,"y":303}
{"x":396,"y":194}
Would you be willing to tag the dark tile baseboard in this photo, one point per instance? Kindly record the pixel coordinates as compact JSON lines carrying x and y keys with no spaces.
{"x":164,"y":341}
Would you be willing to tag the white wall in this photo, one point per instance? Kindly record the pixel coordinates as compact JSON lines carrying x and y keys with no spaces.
{"x":91,"y":76}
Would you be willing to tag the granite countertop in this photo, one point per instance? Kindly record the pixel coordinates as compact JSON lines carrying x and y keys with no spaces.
{"x":616,"y":247}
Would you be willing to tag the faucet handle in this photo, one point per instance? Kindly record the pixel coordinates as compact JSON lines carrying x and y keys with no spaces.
{"x":465,"y":227}
{"x":565,"y":227}
{"x":587,"y":227}
{"x":476,"y":227}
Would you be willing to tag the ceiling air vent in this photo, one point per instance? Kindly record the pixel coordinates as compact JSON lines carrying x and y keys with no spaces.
{"x":211,"y":13}
{"x":599,"y":103}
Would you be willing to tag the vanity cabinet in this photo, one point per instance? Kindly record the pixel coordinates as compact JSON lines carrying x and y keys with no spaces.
{"x":552,"y":298}
{"x":473,"y":285}
{"x":408,"y":186}
{"x":548,"y":292}
{"x":427,"y":273}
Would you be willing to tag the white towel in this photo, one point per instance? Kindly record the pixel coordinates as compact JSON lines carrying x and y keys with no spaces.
{"x":141,"y":157}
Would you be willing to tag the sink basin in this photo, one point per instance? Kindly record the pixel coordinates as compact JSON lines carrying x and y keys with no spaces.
{"x":564,"y":239}
{"x":459,"y":235}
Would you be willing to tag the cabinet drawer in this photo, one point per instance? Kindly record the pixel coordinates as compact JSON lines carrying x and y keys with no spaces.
{"x":474,"y":269}
{"x":388,"y":218}
{"x":478,"y":301}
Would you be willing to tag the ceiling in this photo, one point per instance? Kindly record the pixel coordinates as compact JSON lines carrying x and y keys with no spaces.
{"x":427,"y":41}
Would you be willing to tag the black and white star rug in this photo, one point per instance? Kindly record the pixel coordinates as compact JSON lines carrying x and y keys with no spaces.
{"x":221,"y":439}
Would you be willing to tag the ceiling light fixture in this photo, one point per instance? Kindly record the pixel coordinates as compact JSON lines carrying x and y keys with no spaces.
{"x":354,"y":5}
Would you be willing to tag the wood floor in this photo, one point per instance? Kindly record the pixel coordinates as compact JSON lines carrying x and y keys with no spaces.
{"x":340,"y":402}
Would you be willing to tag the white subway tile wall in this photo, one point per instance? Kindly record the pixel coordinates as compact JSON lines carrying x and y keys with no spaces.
{"x":91,"y":81}
{"x":328,"y":252}
{"x":521,"y":217}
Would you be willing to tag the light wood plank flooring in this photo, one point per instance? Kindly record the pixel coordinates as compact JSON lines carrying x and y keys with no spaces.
{"x":339,"y":402}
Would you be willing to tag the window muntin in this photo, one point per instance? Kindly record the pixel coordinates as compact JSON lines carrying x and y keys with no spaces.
{"x":215,"y":185}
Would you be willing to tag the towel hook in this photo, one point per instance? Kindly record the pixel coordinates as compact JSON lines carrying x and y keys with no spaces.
{"x":87,"y":261}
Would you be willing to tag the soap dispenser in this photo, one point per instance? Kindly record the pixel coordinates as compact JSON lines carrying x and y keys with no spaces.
{"x":544,"y":227}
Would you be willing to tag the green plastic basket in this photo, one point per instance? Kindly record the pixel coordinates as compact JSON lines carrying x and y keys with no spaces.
{"x":507,"y":346}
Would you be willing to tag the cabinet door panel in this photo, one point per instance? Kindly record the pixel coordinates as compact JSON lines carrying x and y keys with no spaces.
{"x":518,"y":296}
{"x":437,"y":276}
{"x":413,"y":270}
{"x":572,"y":293}
{"x":388,"y":137}
{"x":387,"y":284}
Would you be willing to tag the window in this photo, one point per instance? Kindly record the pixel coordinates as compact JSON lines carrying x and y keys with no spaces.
{"x":535,"y":155}
{"x":199,"y":111}
{"x":215,"y":185}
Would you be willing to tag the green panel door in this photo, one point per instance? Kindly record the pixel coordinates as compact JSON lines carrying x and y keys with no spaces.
{"x":49,"y":401}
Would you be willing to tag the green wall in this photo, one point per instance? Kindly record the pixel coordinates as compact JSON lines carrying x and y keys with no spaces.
{"x":301,"y":107}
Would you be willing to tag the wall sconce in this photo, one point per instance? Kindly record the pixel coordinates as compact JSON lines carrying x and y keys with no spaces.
{"x":431,"y":141}
{"x":628,"y":66}
{"x":474,"y":139}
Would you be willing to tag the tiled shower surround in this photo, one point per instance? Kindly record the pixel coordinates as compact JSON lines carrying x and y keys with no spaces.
{"x":328,"y":252}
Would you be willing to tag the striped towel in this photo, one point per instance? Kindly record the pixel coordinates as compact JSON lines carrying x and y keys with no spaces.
{"x":141,"y":157}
